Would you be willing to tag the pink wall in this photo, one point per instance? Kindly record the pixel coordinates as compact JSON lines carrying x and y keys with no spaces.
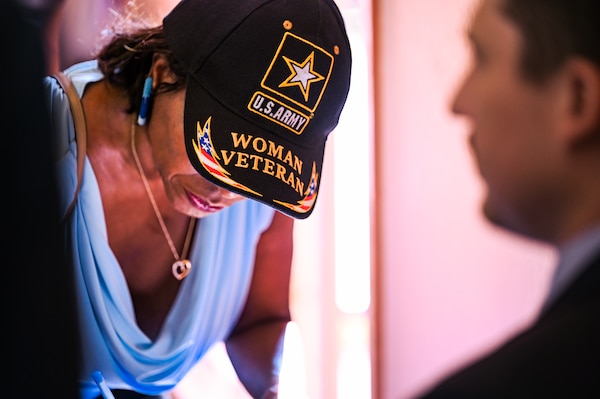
{"x":448,"y":285}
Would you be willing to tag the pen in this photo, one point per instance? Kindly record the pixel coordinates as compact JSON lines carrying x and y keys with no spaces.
{"x":99,"y":379}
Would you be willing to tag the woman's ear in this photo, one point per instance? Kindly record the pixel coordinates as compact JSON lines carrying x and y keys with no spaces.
{"x":160,"y":71}
{"x":582,"y":79}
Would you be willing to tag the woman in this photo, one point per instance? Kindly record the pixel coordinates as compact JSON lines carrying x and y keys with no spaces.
{"x":198,"y":143}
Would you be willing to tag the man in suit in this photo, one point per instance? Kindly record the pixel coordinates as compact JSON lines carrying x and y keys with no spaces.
{"x":532,"y":96}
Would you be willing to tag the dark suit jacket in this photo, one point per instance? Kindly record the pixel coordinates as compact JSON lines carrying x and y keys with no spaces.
{"x":39,"y":326}
{"x":557,"y":357}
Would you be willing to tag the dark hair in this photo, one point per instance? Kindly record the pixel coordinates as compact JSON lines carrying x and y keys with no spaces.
{"x":126,"y":60}
{"x":553,"y":31}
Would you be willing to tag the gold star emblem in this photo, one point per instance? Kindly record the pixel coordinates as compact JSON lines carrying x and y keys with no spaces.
{"x":302,"y":75}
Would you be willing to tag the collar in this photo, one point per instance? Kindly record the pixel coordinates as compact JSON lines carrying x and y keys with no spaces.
{"x":574,"y":257}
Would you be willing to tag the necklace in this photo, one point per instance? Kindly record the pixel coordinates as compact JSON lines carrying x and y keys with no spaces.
{"x":182,"y":266}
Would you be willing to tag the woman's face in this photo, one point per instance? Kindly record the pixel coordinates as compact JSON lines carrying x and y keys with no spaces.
{"x":189,"y":192}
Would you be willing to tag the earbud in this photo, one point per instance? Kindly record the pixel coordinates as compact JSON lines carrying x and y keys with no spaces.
{"x":145,"y":101}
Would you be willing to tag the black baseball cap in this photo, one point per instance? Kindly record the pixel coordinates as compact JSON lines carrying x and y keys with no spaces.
{"x":267,"y":81}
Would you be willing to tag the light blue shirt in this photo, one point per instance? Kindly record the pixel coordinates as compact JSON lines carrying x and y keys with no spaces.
{"x":209,"y":301}
{"x":572,"y":260}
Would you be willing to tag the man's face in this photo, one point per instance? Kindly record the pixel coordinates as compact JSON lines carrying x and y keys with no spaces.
{"x":513,"y":124}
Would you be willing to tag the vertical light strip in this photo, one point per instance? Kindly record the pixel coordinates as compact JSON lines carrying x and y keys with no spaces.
{"x":352,"y":197}
{"x":352,"y":160}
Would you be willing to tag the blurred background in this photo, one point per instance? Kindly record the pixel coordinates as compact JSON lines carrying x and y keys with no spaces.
{"x":397,"y":278}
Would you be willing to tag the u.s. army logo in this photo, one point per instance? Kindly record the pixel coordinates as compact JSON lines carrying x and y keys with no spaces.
{"x":294,"y":83}
{"x":302,"y":74}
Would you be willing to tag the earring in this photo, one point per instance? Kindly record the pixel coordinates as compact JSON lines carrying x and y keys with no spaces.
{"x":145,"y":101}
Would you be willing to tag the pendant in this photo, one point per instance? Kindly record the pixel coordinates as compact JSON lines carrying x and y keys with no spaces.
{"x":181,"y":268}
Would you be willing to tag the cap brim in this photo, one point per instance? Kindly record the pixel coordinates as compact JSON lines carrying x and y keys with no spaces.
{"x":236,"y":154}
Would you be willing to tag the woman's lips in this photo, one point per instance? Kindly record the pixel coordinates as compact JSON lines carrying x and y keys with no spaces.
{"x":201,"y":204}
